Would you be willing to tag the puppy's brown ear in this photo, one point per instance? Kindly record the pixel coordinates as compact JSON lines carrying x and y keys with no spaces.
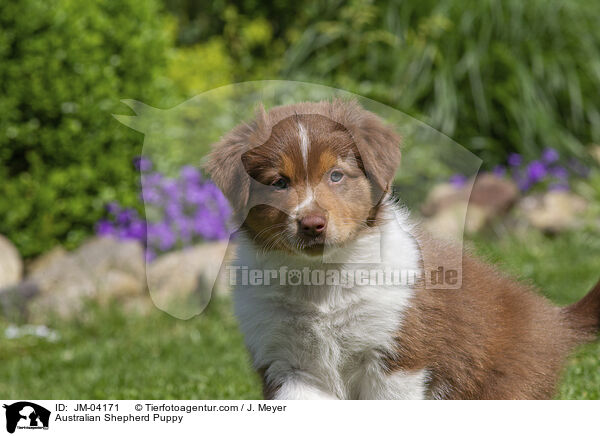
{"x":379,"y":148}
{"x":225,"y":167}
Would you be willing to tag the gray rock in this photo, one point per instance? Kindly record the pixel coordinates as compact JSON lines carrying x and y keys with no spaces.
{"x":11,"y":264}
{"x":443,"y":196}
{"x":553,"y":211}
{"x":453,"y":211}
{"x":46,"y":259}
{"x":493,"y":194}
{"x":455,"y":220}
{"x":489,"y":192}
{"x":14,"y":300}
{"x":181,"y":283}
{"x":102,"y":269}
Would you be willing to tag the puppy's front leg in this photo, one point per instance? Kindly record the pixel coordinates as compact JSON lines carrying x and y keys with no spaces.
{"x":298,"y":389}
{"x":379,"y":384}
{"x":284,"y":383}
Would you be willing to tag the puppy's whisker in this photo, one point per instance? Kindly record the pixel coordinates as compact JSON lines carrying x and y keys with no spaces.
{"x":269,"y":228}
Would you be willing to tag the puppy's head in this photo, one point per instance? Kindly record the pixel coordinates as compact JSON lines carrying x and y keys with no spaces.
{"x":307,"y":176}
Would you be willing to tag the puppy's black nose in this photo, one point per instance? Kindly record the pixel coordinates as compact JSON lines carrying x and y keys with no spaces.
{"x":313,"y":225}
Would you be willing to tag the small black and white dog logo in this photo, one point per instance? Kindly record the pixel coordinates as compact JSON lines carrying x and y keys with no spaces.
{"x":26,"y":415}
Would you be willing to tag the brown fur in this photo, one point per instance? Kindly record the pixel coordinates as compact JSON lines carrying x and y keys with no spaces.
{"x":493,"y":338}
{"x":584,"y":316}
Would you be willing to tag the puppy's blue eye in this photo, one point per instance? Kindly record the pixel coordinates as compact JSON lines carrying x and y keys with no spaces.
{"x":280,"y":184}
{"x":336,"y":176}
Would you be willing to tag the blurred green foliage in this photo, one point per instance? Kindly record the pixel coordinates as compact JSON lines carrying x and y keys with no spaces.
{"x":249,"y":34}
{"x":495,"y":75}
{"x":498,"y":76}
{"x":64,"y":66}
{"x":200,"y":67}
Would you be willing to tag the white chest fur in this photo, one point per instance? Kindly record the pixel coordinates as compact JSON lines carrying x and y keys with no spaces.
{"x":328,"y":340}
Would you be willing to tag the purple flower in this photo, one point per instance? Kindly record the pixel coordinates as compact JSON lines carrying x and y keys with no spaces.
{"x":105,"y":228}
{"x":190,"y":174}
{"x":514,"y":159}
{"x":162,"y":235}
{"x":173,"y":210}
{"x":125,"y":216}
{"x":499,"y":171}
{"x":559,"y":173}
{"x":186,"y":229}
{"x":458,"y":180}
{"x":550,"y":155}
{"x":150,"y":195}
{"x":208,"y":225}
{"x":222,"y":203}
{"x":536,"y":171}
{"x":196,"y":195}
{"x":113,"y":208}
{"x":137,"y":230}
{"x":152,"y":180}
{"x":123,"y":234}
{"x":522,"y":181}
{"x":142,"y":164}
{"x":170,"y":188}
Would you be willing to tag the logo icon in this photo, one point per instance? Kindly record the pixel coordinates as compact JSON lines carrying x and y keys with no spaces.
{"x":26,"y":415}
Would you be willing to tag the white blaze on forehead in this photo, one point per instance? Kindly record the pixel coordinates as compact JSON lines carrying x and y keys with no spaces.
{"x":304,"y":144}
{"x":308,"y":200}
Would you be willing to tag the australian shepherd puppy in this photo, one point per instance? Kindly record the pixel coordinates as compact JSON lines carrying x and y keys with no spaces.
{"x":311,"y":185}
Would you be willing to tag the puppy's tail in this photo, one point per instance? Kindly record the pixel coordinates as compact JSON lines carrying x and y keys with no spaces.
{"x":584,"y":316}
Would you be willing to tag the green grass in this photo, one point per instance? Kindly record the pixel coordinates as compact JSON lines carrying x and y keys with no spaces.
{"x":106,"y":354}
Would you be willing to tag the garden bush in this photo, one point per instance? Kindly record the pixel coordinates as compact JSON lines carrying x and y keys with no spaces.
{"x":64,"y":66}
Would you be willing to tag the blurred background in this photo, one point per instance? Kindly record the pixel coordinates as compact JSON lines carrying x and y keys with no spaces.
{"x":516,"y":83}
